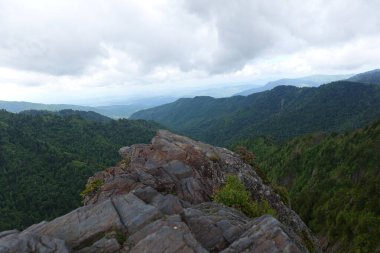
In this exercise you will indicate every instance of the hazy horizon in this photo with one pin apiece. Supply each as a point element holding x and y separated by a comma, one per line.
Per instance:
<point>88,53</point>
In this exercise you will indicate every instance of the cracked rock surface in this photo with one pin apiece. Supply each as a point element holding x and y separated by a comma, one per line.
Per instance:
<point>158,199</point>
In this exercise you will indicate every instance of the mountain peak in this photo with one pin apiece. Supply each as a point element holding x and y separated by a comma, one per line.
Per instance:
<point>159,199</point>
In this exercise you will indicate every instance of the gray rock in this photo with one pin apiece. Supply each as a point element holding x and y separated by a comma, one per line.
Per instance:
<point>135,213</point>
<point>79,228</point>
<point>124,151</point>
<point>104,245</point>
<point>215,226</point>
<point>168,204</point>
<point>146,194</point>
<point>179,169</point>
<point>164,236</point>
<point>83,225</point>
<point>266,234</point>
<point>28,242</point>
<point>8,232</point>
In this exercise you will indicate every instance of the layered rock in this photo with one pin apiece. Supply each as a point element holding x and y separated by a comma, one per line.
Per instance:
<point>158,199</point>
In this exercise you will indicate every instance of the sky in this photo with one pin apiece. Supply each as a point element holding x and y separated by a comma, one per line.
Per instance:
<point>102,51</point>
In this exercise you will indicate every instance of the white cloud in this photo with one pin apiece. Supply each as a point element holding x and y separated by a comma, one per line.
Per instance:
<point>85,49</point>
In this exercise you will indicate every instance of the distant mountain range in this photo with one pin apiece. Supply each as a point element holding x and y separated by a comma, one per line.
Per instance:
<point>370,77</point>
<point>284,112</point>
<point>85,115</point>
<point>126,110</point>
<point>307,81</point>
<point>112,111</point>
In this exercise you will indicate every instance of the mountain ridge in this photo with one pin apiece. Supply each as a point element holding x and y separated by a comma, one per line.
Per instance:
<point>306,81</point>
<point>284,112</point>
<point>369,77</point>
<point>112,111</point>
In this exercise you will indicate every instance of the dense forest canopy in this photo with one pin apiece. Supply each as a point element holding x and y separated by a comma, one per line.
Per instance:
<point>333,182</point>
<point>46,158</point>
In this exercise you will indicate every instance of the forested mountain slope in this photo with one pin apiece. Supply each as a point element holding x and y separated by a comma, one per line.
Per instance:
<point>333,181</point>
<point>46,158</point>
<point>283,112</point>
<point>371,77</point>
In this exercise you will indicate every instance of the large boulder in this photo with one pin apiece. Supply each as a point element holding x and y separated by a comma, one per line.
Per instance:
<point>16,242</point>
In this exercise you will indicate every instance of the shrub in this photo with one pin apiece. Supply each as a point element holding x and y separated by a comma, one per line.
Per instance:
<point>214,158</point>
<point>124,164</point>
<point>282,192</point>
<point>234,194</point>
<point>92,187</point>
<point>246,155</point>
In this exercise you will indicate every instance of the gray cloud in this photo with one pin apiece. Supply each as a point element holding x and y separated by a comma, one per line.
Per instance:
<point>46,39</point>
<point>122,42</point>
<point>248,29</point>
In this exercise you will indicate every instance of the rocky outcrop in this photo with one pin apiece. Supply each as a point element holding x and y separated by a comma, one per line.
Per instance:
<point>15,242</point>
<point>158,199</point>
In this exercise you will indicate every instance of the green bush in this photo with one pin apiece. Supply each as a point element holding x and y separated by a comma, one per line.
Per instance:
<point>124,164</point>
<point>92,187</point>
<point>282,192</point>
<point>214,158</point>
<point>234,194</point>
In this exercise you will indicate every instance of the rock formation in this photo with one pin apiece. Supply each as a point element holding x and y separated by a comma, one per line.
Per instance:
<point>159,199</point>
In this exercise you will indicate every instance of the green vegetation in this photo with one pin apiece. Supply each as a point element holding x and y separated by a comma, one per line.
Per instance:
<point>372,76</point>
<point>46,159</point>
<point>92,187</point>
<point>234,194</point>
<point>283,112</point>
<point>120,237</point>
<point>89,116</point>
<point>125,162</point>
<point>214,158</point>
<point>333,181</point>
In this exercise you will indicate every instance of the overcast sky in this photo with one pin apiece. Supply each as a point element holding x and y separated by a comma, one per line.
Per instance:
<point>83,51</point>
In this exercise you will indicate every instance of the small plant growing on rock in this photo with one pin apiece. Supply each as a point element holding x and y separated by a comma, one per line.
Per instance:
<point>214,158</point>
<point>234,194</point>
<point>125,162</point>
<point>118,235</point>
<point>92,187</point>
<point>282,192</point>
<point>246,155</point>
